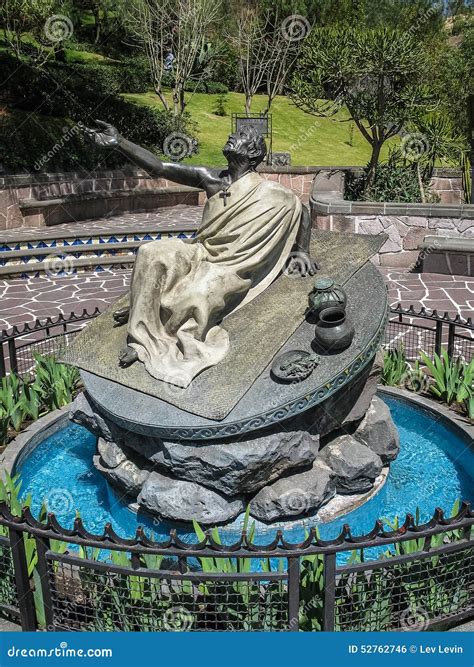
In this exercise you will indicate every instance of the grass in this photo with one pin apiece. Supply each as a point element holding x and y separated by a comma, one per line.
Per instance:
<point>311,140</point>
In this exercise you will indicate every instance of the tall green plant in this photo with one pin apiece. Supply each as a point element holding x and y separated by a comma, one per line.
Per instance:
<point>452,379</point>
<point>395,367</point>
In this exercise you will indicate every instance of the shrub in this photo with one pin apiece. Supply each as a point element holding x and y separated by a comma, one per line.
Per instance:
<point>78,93</point>
<point>53,386</point>
<point>220,106</point>
<point>452,380</point>
<point>394,181</point>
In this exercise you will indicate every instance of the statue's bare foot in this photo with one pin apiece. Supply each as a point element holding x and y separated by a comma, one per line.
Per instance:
<point>121,316</point>
<point>127,357</point>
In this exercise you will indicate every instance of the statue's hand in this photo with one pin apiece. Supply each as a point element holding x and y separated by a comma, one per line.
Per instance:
<point>105,135</point>
<point>301,263</point>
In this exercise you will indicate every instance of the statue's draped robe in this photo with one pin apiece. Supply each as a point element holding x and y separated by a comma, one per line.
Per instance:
<point>181,290</point>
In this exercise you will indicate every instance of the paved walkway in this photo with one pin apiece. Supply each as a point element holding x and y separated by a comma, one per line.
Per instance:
<point>25,300</point>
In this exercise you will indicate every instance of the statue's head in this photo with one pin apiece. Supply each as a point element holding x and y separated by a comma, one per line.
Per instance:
<point>246,144</point>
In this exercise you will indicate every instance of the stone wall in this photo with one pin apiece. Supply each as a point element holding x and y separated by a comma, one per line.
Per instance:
<point>83,195</point>
<point>406,225</point>
<point>405,233</point>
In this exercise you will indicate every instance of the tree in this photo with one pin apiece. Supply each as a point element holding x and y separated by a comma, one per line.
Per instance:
<point>100,10</point>
<point>378,76</point>
<point>266,52</point>
<point>172,33</point>
<point>19,17</point>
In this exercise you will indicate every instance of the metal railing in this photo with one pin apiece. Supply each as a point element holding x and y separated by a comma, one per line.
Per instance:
<point>424,579</point>
<point>405,326</point>
<point>48,336</point>
<point>429,332</point>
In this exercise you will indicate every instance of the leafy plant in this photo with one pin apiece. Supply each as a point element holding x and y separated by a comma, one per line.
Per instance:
<point>452,379</point>
<point>52,387</point>
<point>220,108</point>
<point>395,367</point>
<point>56,382</point>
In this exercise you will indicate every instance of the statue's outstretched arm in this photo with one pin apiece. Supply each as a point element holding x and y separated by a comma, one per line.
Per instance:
<point>108,136</point>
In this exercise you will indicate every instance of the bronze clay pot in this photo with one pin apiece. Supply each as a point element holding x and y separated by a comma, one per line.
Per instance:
<point>326,294</point>
<point>334,330</point>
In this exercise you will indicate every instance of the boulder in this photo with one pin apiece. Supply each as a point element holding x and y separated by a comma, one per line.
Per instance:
<point>295,495</point>
<point>110,453</point>
<point>127,476</point>
<point>179,500</point>
<point>378,432</point>
<point>354,465</point>
<point>238,467</point>
<point>82,412</point>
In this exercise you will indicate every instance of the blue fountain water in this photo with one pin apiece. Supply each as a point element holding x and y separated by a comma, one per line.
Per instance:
<point>435,468</point>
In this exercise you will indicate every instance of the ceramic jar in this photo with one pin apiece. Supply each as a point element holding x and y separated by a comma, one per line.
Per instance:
<point>326,294</point>
<point>334,330</point>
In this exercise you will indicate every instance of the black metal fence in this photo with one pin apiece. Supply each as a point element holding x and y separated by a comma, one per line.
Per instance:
<point>415,330</point>
<point>429,332</point>
<point>48,336</point>
<point>423,579</point>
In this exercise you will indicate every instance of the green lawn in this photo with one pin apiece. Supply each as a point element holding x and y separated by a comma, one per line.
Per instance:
<point>311,140</point>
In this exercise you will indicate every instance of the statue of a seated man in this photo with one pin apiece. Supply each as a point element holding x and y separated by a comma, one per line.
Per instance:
<point>251,230</point>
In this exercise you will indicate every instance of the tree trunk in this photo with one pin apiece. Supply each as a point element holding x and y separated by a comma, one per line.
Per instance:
<point>162,98</point>
<point>97,27</point>
<point>248,103</point>
<point>374,160</point>
<point>420,183</point>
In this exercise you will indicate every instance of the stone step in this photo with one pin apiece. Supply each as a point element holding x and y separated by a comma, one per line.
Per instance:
<point>103,249</point>
<point>28,239</point>
<point>57,266</point>
<point>64,252</point>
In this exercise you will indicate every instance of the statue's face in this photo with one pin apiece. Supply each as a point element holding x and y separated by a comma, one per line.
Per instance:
<point>238,144</point>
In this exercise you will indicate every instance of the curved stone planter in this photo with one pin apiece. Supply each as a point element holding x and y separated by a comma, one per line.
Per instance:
<point>24,443</point>
<point>464,428</point>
